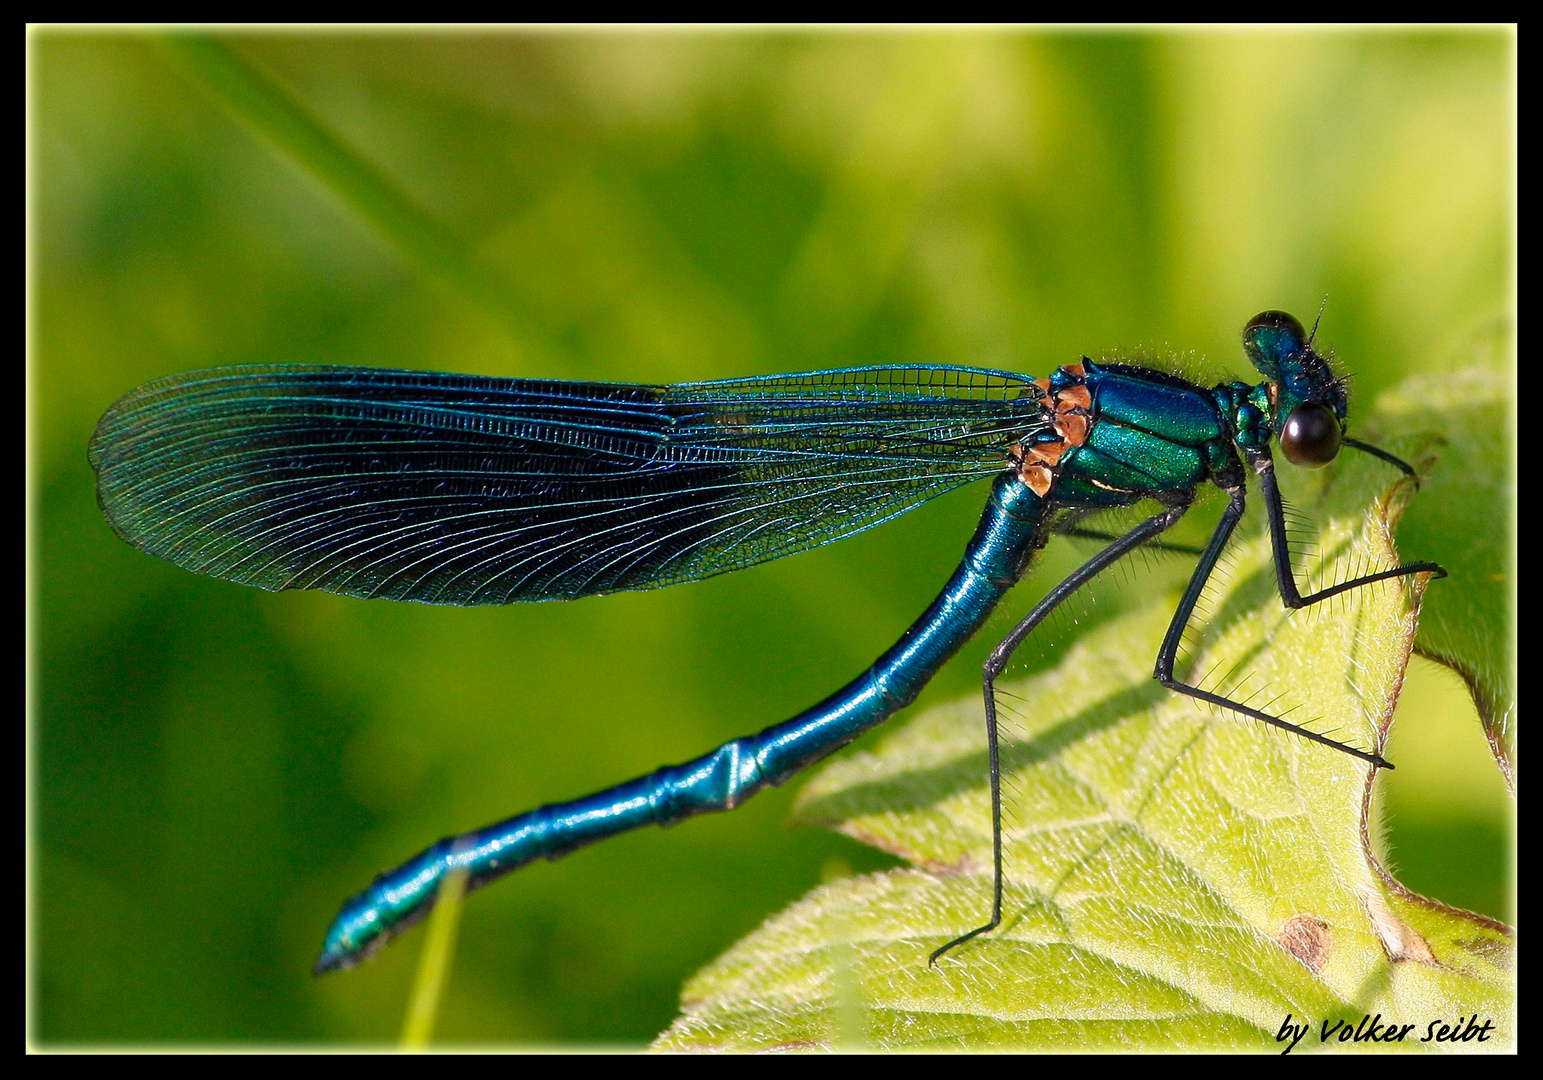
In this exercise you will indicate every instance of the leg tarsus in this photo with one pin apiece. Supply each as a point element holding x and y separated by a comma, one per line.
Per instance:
<point>932,961</point>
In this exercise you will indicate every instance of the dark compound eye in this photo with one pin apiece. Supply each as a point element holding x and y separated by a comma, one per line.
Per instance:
<point>1277,320</point>
<point>1310,436</point>
<point>1273,340</point>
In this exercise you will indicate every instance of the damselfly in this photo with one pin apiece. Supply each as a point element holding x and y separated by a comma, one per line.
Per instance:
<point>455,489</point>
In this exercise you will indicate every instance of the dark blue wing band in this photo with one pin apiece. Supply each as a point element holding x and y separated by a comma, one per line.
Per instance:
<point>458,489</point>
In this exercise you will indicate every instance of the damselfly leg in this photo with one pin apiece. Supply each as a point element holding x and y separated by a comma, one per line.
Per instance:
<point>1146,533</point>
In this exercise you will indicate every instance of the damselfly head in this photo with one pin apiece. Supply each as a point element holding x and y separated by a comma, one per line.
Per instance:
<point>1308,399</point>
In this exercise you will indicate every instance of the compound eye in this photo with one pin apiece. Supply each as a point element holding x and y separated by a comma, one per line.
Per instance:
<point>1273,340</point>
<point>1277,320</point>
<point>1310,436</point>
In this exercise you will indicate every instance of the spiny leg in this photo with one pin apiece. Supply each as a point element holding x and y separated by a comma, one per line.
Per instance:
<point>1170,647</point>
<point>1284,578</point>
<point>1156,545</point>
<point>997,662</point>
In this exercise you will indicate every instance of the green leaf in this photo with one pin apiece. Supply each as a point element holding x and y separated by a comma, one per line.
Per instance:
<point>1178,878</point>
<point>1464,421</point>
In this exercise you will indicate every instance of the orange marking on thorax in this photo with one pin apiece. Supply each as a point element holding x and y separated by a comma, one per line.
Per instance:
<point>1046,453</point>
<point>1068,411</point>
<point>1037,478</point>
<point>1072,405</point>
<point>1074,397</point>
<point>1072,427</point>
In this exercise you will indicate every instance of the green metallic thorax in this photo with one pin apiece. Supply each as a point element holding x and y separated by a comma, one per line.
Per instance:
<point>1157,435</point>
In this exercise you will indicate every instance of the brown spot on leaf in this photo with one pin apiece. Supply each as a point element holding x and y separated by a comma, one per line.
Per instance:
<point>1500,953</point>
<point>1308,939</point>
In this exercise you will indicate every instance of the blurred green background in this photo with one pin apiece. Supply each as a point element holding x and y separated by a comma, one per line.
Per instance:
<point>213,769</point>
